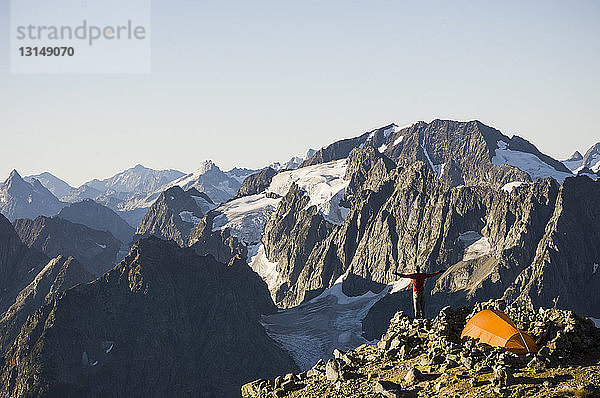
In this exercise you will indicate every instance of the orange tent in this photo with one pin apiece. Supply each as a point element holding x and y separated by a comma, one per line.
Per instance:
<point>495,328</point>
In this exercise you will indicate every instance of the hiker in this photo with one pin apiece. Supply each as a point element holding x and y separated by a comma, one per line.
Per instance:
<point>418,282</point>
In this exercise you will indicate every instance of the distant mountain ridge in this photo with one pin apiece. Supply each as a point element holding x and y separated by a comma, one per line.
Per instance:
<point>138,179</point>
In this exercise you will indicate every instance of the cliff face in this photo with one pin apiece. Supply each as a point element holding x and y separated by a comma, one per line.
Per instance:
<point>488,239</point>
<point>96,250</point>
<point>290,236</point>
<point>188,323</point>
<point>565,268</point>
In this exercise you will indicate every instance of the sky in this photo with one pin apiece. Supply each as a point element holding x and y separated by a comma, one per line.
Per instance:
<point>248,83</point>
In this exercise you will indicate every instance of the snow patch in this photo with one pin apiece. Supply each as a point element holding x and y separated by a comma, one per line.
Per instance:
<point>109,349</point>
<point>475,245</point>
<point>102,246</point>
<point>331,320</point>
<point>188,216</point>
<point>323,183</point>
<point>398,140</point>
<point>596,321</point>
<point>511,185</point>
<point>387,132</point>
<point>246,217</point>
<point>595,268</point>
<point>527,162</point>
<point>258,261</point>
<point>382,148</point>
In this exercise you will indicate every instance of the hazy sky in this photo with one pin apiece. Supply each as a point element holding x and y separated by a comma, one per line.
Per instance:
<point>247,83</point>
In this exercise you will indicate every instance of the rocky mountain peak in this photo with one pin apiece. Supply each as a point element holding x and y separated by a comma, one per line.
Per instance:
<point>13,178</point>
<point>575,156</point>
<point>206,166</point>
<point>174,215</point>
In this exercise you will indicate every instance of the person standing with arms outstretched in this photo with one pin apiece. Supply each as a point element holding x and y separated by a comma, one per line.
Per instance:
<point>418,282</point>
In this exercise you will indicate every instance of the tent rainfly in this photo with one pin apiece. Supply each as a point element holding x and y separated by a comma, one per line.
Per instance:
<point>495,328</point>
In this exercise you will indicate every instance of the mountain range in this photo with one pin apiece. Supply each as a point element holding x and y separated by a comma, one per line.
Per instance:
<point>208,280</point>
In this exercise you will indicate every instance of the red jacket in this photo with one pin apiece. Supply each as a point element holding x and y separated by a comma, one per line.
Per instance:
<point>418,279</point>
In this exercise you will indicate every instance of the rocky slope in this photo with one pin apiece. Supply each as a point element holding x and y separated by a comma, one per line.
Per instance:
<point>22,199</point>
<point>18,264</point>
<point>96,216</point>
<point>490,240</point>
<point>174,215</point>
<point>59,274</point>
<point>188,324</point>
<point>426,358</point>
<point>96,250</point>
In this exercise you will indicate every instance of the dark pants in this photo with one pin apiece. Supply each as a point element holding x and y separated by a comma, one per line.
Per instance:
<point>419,304</point>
